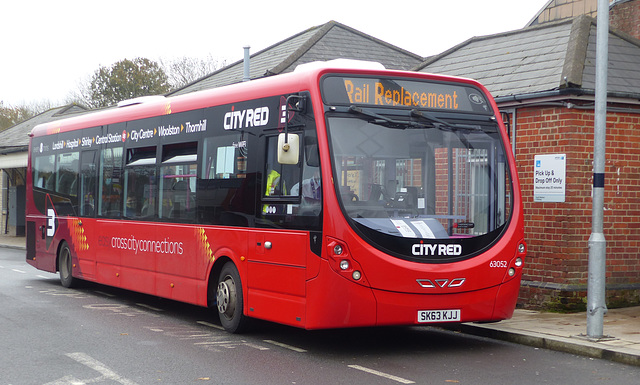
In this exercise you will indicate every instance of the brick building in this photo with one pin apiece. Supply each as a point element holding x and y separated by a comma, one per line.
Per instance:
<point>543,78</point>
<point>625,16</point>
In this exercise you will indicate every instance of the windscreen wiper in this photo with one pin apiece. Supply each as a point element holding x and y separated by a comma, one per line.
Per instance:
<point>432,121</point>
<point>431,118</point>
<point>383,120</point>
<point>439,123</point>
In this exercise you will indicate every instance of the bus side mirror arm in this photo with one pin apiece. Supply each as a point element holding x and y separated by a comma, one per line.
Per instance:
<point>289,144</point>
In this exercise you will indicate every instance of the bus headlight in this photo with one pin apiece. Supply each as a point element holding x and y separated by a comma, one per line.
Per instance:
<point>342,262</point>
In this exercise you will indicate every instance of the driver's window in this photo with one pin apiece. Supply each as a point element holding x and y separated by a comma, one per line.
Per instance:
<point>310,188</point>
<point>292,194</point>
<point>279,178</point>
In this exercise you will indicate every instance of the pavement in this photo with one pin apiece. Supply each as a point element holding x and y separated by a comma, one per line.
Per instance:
<point>567,333</point>
<point>620,341</point>
<point>12,242</point>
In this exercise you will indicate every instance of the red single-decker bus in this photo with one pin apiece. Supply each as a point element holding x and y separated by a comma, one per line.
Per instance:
<point>328,197</point>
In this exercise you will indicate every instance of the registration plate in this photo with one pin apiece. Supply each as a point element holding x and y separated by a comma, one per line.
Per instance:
<point>426,316</point>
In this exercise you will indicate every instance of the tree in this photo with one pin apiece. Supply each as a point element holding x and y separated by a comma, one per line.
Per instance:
<point>10,116</point>
<point>185,70</point>
<point>126,79</point>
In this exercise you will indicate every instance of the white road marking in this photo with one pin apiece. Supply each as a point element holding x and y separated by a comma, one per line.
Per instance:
<point>255,346</point>
<point>121,309</point>
<point>215,343</point>
<point>103,293</point>
<point>64,292</point>
<point>19,271</point>
<point>149,307</point>
<point>381,374</point>
<point>99,367</point>
<point>205,323</point>
<point>299,350</point>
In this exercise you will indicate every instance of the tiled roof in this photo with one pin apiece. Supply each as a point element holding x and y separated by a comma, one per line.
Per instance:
<point>325,42</point>
<point>508,63</point>
<point>17,137</point>
<point>542,58</point>
<point>624,63</point>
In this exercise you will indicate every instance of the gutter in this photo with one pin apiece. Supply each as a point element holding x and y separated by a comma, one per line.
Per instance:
<point>565,94</point>
<point>543,95</point>
<point>11,150</point>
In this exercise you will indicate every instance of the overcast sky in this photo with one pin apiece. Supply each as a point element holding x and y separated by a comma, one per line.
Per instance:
<point>48,47</point>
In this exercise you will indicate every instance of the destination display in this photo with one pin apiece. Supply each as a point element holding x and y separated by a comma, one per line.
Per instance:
<point>395,92</point>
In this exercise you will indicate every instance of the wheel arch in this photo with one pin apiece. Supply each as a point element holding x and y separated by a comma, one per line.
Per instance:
<point>223,255</point>
<point>58,249</point>
<point>212,283</point>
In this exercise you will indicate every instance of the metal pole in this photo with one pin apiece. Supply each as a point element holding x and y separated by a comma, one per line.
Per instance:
<point>596,287</point>
<point>246,68</point>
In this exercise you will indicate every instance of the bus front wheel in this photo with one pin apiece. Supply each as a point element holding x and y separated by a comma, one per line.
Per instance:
<point>65,266</point>
<point>229,299</point>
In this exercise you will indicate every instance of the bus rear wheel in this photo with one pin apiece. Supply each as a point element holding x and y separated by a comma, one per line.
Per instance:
<point>65,266</point>
<point>229,300</point>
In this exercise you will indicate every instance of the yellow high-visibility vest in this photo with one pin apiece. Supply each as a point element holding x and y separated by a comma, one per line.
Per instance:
<point>272,182</point>
<point>273,178</point>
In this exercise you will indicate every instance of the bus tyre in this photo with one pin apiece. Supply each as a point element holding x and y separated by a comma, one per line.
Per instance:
<point>65,266</point>
<point>229,299</point>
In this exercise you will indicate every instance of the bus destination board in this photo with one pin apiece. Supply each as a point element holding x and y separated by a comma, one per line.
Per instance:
<point>395,92</point>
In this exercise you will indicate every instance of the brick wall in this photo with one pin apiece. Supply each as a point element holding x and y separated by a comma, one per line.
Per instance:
<point>626,17</point>
<point>558,233</point>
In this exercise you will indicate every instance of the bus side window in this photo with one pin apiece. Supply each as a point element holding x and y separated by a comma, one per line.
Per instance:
<point>88,162</point>
<point>178,191</point>
<point>310,189</point>
<point>67,172</point>
<point>110,188</point>
<point>66,186</point>
<point>279,178</point>
<point>140,183</point>
<point>226,191</point>
<point>44,172</point>
<point>292,193</point>
<point>178,182</point>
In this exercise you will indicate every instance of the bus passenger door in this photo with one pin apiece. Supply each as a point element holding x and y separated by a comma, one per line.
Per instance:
<point>276,275</point>
<point>276,269</point>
